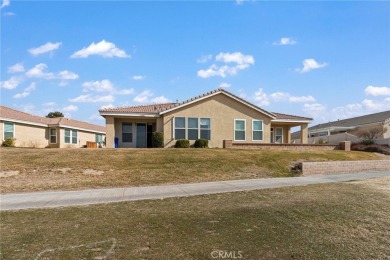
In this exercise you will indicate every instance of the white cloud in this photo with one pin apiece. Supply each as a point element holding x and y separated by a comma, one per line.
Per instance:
<point>126,91</point>
<point>143,97</point>
<point>160,100</point>
<point>204,58</point>
<point>224,85</point>
<point>65,74</point>
<point>285,41</point>
<point>5,3</point>
<point>26,91</point>
<point>314,110</point>
<point>240,62</point>
<point>9,14</point>
<point>39,71</point>
<point>138,77</point>
<point>377,91</point>
<point>92,99</point>
<point>301,99</point>
<point>49,104</point>
<point>107,106</point>
<point>280,96</point>
<point>310,64</point>
<point>103,48</point>
<point>18,67</point>
<point>12,83</point>
<point>70,108</point>
<point>261,98</point>
<point>98,86</point>
<point>47,47</point>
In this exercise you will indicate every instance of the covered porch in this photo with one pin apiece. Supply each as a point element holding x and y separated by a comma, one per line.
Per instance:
<point>281,132</point>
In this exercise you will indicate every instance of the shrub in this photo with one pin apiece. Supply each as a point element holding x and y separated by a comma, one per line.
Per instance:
<point>367,141</point>
<point>182,143</point>
<point>201,143</point>
<point>383,149</point>
<point>9,142</point>
<point>322,141</point>
<point>158,140</point>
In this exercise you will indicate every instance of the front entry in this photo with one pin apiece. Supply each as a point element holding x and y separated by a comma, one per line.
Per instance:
<point>141,135</point>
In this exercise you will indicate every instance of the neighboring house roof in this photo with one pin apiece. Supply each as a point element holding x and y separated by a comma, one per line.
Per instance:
<point>10,114</point>
<point>158,109</point>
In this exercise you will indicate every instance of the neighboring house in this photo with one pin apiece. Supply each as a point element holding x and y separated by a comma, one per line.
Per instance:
<point>36,131</point>
<point>216,116</point>
<point>347,128</point>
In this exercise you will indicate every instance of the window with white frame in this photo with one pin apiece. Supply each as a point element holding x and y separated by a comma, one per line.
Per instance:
<point>239,129</point>
<point>53,135</point>
<point>70,136</point>
<point>127,132</point>
<point>99,138</point>
<point>257,130</point>
<point>192,130</point>
<point>205,128</point>
<point>180,128</point>
<point>9,130</point>
<point>279,135</point>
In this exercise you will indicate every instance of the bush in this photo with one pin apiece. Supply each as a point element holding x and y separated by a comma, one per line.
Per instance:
<point>322,141</point>
<point>182,143</point>
<point>367,141</point>
<point>9,142</point>
<point>157,140</point>
<point>375,148</point>
<point>201,143</point>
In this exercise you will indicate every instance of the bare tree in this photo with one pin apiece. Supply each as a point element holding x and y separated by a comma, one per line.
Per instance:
<point>370,134</point>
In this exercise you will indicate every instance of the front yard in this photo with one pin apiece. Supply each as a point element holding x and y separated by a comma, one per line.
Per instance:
<point>25,170</point>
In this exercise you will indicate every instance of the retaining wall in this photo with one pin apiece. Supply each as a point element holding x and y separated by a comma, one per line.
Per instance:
<point>310,168</point>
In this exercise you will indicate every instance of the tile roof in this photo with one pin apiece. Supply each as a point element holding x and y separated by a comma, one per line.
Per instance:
<point>287,117</point>
<point>148,109</point>
<point>6,112</point>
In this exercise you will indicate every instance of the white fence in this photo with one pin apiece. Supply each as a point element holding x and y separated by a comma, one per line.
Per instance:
<point>332,139</point>
<point>383,141</point>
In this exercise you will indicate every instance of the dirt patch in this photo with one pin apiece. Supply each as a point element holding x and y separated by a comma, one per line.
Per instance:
<point>5,174</point>
<point>64,170</point>
<point>92,172</point>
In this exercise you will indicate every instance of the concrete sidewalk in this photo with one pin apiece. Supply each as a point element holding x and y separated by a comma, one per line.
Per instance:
<point>87,197</point>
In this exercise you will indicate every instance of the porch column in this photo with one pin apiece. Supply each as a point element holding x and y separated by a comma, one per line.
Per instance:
<point>304,133</point>
<point>110,131</point>
<point>289,135</point>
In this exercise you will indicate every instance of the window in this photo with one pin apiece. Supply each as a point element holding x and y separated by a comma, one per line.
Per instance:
<point>257,130</point>
<point>74,136</point>
<point>67,136</point>
<point>70,135</point>
<point>192,131</point>
<point>239,129</point>
<point>205,128</point>
<point>180,127</point>
<point>9,130</point>
<point>127,132</point>
<point>279,135</point>
<point>99,138</point>
<point>53,135</point>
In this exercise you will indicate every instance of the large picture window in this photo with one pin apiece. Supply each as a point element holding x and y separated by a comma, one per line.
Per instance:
<point>192,131</point>
<point>180,128</point>
<point>239,129</point>
<point>205,128</point>
<point>70,136</point>
<point>9,130</point>
<point>257,130</point>
<point>127,132</point>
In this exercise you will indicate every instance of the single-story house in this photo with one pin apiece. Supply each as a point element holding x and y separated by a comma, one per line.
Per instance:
<point>35,131</point>
<point>216,116</point>
<point>349,128</point>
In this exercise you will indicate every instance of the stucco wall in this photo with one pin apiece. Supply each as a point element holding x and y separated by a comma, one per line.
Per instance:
<point>29,136</point>
<point>118,129</point>
<point>222,111</point>
<point>82,139</point>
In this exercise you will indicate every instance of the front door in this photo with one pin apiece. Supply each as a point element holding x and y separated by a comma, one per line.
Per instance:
<point>141,135</point>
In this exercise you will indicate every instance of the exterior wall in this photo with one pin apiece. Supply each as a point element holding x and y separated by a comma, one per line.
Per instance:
<point>222,111</point>
<point>118,129</point>
<point>82,138</point>
<point>29,135</point>
<point>57,144</point>
<point>309,168</point>
<point>286,132</point>
<point>110,131</point>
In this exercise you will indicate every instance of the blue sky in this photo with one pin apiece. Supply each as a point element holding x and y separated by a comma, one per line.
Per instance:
<point>328,60</point>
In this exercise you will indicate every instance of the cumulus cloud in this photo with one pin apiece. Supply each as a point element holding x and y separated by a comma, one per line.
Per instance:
<point>93,99</point>
<point>285,41</point>
<point>12,83</point>
<point>103,48</point>
<point>126,91</point>
<point>261,98</point>
<point>310,64</point>
<point>70,108</point>
<point>224,85</point>
<point>47,47</point>
<point>65,74</point>
<point>40,71</point>
<point>160,99</point>
<point>377,91</point>
<point>5,3</point>
<point>26,91</point>
<point>204,58</point>
<point>264,99</point>
<point>143,97</point>
<point>107,106</point>
<point>231,64</point>
<point>98,86</point>
<point>138,77</point>
<point>18,67</point>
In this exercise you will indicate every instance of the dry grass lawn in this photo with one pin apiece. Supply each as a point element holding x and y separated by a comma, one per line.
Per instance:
<point>24,170</point>
<point>328,221</point>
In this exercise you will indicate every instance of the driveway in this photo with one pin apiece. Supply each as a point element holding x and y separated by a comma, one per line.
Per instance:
<point>19,201</point>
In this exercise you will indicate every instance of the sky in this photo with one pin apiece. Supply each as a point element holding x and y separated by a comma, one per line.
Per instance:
<point>327,60</point>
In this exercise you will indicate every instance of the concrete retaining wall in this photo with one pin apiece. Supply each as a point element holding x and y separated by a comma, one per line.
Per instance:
<point>290,147</point>
<point>310,168</point>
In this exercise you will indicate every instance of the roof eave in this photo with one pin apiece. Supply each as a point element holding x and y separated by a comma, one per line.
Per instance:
<point>134,114</point>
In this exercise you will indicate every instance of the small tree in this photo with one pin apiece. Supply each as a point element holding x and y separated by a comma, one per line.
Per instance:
<point>55,114</point>
<point>370,134</point>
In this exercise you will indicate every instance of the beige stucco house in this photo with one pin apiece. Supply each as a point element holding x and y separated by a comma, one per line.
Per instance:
<point>41,132</point>
<point>217,116</point>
